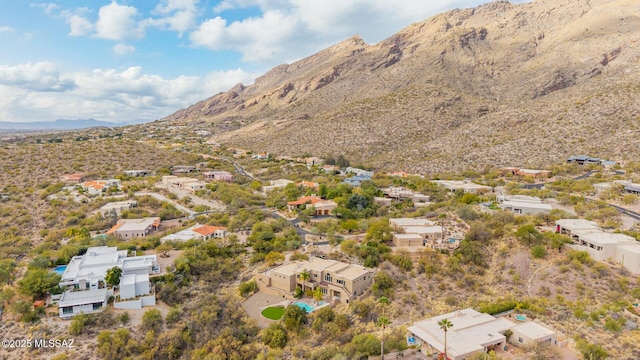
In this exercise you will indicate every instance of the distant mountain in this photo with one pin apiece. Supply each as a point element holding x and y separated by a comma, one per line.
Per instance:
<point>502,84</point>
<point>63,124</point>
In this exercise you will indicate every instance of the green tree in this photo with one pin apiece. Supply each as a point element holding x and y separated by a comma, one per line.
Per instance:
<point>38,282</point>
<point>113,276</point>
<point>294,317</point>
<point>349,225</point>
<point>383,285</point>
<point>152,320</point>
<point>274,336</point>
<point>380,230</point>
<point>539,252</point>
<point>528,234</point>
<point>304,276</point>
<point>445,325</point>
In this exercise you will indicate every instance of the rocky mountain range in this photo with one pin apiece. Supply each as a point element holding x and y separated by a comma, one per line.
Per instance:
<point>501,84</point>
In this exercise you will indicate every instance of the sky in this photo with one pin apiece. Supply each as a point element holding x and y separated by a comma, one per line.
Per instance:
<point>142,60</point>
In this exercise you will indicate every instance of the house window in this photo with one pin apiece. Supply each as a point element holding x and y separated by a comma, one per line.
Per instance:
<point>324,291</point>
<point>341,282</point>
<point>97,306</point>
<point>315,275</point>
<point>520,340</point>
<point>328,278</point>
<point>67,310</point>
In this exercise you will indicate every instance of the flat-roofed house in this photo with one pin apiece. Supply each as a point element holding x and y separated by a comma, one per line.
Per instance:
<point>117,207</point>
<point>622,249</point>
<point>126,229</point>
<point>218,176</point>
<point>632,188</point>
<point>73,303</point>
<point>408,240</point>
<point>276,184</point>
<point>137,173</point>
<point>525,207</point>
<point>72,178</point>
<point>399,224</point>
<point>84,278</point>
<point>465,186</point>
<point>569,226</point>
<point>428,233</point>
<point>337,280</point>
<point>473,333</point>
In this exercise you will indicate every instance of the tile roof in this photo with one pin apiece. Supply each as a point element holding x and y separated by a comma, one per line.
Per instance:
<point>207,229</point>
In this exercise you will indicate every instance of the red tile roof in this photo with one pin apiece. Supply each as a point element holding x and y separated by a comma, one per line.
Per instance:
<point>304,200</point>
<point>206,230</point>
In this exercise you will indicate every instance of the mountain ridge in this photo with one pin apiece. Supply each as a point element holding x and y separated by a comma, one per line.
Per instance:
<point>497,84</point>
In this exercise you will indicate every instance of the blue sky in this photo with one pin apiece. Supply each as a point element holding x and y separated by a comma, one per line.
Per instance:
<point>142,59</point>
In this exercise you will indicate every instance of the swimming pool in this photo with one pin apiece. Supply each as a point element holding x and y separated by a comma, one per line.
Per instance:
<point>60,269</point>
<point>308,308</point>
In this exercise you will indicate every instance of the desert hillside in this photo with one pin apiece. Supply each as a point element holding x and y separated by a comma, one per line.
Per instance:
<point>504,84</point>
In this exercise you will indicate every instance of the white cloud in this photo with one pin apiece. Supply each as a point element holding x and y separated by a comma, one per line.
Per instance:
<point>40,91</point>
<point>288,30</point>
<point>79,26</point>
<point>175,15</point>
<point>117,22</point>
<point>124,49</point>
<point>6,29</point>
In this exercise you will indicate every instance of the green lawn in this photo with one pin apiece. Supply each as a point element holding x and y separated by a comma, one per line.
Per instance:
<point>273,312</point>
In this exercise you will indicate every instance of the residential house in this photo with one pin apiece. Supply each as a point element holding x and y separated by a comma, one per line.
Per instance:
<point>357,171</point>
<point>73,303</point>
<point>218,176</point>
<point>583,160</point>
<point>185,183</point>
<point>401,193</point>
<point>276,184</point>
<point>72,178</point>
<point>98,187</point>
<point>138,287</point>
<point>523,205</point>
<point>337,280</point>
<point>117,207</point>
<point>526,173</point>
<point>126,229</point>
<point>622,249</point>
<point>473,333</point>
<point>321,206</point>
<point>408,240</point>
<point>357,180</point>
<point>398,224</point>
<point>201,232</point>
<point>466,186</point>
<point>183,169</point>
<point>137,173</point>
<point>85,274</point>
<point>632,188</point>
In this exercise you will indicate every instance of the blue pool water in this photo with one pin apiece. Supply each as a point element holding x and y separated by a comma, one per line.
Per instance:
<point>521,317</point>
<point>308,308</point>
<point>411,340</point>
<point>60,269</point>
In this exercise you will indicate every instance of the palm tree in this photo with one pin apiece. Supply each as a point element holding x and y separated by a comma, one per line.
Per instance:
<point>445,324</point>
<point>383,322</point>
<point>304,275</point>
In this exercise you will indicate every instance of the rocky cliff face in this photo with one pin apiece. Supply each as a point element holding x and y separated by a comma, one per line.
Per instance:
<point>500,84</point>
